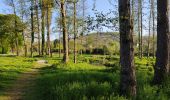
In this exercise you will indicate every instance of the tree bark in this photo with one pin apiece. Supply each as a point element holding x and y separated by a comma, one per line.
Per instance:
<point>161,68</point>
<point>42,27</point>
<point>148,48</point>
<point>38,26</point>
<point>32,28</point>
<point>127,78</point>
<point>153,27</point>
<point>139,34</point>
<point>48,33</point>
<point>65,36</point>
<point>75,49</point>
<point>141,38</point>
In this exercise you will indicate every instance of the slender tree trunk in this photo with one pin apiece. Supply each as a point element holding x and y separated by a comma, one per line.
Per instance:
<point>65,36</point>
<point>127,78</point>
<point>141,38</point>
<point>38,26</point>
<point>139,34</point>
<point>42,27</point>
<point>16,34</point>
<point>162,55</point>
<point>48,34</point>
<point>59,45</point>
<point>148,51</point>
<point>153,26</point>
<point>32,28</point>
<point>75,49</point>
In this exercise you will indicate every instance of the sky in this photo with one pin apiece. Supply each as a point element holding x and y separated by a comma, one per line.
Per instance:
<point>100,5</point>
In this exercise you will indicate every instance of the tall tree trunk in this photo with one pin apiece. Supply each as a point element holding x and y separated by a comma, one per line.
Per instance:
<point>42,27</point>
<point>148,48</point>
<point>153,26</point>
<point>141,38</point>
<point>127,78</point>
<point>162,55</point>
<point>15,24</point>
<point>65,36</point>
<point>48,33</point>
<point>32,27</point>
<point>139,32</point>
<point>38,26</point>
<point>75,49</point>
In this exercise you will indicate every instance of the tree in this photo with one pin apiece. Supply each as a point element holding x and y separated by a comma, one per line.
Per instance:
<point>13,5</point>
<point>8,31</point>
<point>22,9</point>
<point>161,68</point>
<point>153,26</point>
<point>65,36</point>
<point>49,5</point>
<point>128,78</point>
<point>38,25</point>
<point>150,15</point>
<point>32,26</point>
<point>42,26</point>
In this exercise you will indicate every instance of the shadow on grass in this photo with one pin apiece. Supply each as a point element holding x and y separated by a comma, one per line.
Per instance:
<point>63,84</point>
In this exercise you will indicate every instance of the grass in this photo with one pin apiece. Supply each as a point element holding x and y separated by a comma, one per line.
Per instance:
<point>75,81</point>
<point>83,81</point>
<point>11,68</point>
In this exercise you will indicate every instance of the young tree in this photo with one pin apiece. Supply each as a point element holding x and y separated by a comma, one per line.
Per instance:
<point>161,68</point>
<point>128,78</point>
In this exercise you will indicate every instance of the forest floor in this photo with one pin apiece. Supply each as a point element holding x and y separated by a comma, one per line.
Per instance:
<point>24,83</point>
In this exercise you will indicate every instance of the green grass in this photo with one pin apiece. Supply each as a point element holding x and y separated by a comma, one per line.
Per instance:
<point>11,68</point>
<point>83,81</point>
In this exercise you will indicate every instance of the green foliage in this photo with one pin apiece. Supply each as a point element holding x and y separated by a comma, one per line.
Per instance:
<point>9,32</point>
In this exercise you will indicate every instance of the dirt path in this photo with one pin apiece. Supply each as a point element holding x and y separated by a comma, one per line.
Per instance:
<point>25,81</point>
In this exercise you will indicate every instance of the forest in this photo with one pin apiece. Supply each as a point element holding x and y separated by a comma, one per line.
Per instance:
<point>84,50</point>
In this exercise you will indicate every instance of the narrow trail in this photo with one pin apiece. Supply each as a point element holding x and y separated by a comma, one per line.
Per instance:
<point>23,83</point>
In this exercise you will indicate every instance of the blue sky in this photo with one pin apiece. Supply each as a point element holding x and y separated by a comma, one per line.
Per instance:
<point>100,5</point>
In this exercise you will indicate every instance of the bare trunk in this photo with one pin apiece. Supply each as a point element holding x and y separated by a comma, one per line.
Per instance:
<point>127,78</point>
<point>42,28</point>
<point>139,34</point>
<point>32,28</point>
<point>48,34</point>
<point>38,26</point>
<point>153,28</point>
<point>148,49</point>
<point>162,58</point>
<point>141,38</point>
<point>75,49</point>
<point>65,36</point>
